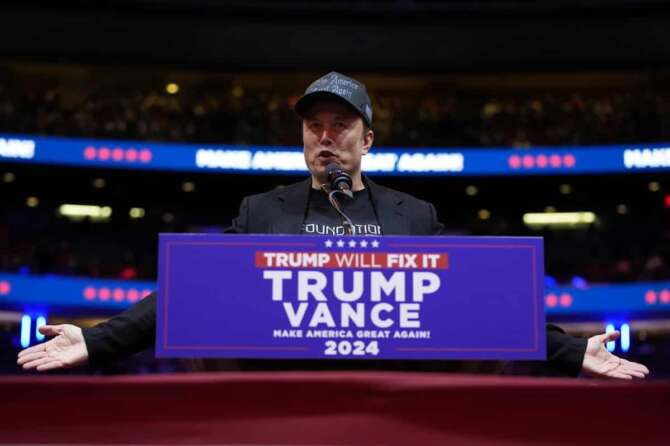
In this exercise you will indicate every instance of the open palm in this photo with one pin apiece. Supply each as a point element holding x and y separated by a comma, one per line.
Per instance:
<point>599,362</point>
<point>66,349</point>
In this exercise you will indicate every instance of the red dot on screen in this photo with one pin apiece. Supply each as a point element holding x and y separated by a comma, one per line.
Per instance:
<point>514,161</point>
<point>569,160</point>
<point>542,161</point>
<point>145,293</point>
<point>145,155</point>
<point>104,153</point>
<point>5,287</point>
<point>117,154</point>
<point>119,294</point>
<point>89,293</point>
<point>104,293</point>
<point>664,296</point>
<point>650,297</point>
<point>528,161</point>
<point>132,295</point>
<point>89,152</point>
<point>555,160</point>
<point>565,300</point>
<point>551,300</point>
<point>131,155</point>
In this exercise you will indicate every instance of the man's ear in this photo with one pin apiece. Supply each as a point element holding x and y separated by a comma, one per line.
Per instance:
<point>368,139</point>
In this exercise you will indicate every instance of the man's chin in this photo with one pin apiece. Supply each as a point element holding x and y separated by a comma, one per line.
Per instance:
<point>319,174</point>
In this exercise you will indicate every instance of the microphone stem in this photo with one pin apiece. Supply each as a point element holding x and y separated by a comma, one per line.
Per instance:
<point>346,221</point>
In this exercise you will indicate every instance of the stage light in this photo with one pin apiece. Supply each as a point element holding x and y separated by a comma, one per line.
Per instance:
<point>99,183</point>
<point>8,177</point>
<point>32,202</point>
<point>188,186</point>
<point>136,212</point>
<point>172,88</point>
<point>559,219</point>
<point>78,212</point>
<point>484,214</point>
<point>565,189</point>
<point>625,337</point>
<point>654,186</point>
<point>26,322</point>
<point>667,201</point>
<point>610,345</point>
<point>39,322</point>
<point>622,209</point>
<point>471,191</point>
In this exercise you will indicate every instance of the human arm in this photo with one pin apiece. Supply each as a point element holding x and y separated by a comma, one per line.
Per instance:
<point>124,334</point>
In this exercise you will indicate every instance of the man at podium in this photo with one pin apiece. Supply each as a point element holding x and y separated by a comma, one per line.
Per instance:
<point>336,114</point>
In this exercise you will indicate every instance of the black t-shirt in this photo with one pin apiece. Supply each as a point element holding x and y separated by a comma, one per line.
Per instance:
<point>322,219</point>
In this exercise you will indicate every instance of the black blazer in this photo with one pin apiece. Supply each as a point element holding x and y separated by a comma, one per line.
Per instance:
<point>283,211</point>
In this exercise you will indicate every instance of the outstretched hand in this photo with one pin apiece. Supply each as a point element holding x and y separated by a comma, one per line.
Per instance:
<point>600,363</point>
<point>67,349</point>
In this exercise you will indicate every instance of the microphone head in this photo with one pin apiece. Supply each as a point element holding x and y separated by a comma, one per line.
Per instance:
<point>339,178</point>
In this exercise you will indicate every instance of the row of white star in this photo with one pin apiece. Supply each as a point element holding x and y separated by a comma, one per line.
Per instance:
<point>351,243</point>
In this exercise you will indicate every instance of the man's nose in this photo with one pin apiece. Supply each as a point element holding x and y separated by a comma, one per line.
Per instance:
<point>326,138</point>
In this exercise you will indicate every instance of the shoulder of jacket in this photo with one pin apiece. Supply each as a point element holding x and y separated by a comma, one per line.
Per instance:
<point>273,193</point>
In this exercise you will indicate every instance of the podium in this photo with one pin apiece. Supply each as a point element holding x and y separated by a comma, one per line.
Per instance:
<point>350,297</point>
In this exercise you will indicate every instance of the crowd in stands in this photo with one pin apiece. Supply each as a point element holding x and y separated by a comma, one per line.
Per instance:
<point>231,112</point>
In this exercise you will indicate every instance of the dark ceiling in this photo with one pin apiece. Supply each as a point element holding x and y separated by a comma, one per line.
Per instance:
<point>363,36</point>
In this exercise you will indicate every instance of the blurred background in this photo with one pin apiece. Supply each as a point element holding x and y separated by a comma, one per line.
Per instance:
<point>123,119</point>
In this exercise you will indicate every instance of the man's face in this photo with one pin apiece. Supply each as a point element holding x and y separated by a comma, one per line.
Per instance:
<point>332,132</point>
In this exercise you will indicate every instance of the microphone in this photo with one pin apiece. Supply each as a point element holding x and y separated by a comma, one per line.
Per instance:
<point>339,179</point>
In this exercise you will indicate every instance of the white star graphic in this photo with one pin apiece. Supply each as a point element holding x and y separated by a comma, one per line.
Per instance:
<point>363,243</point>
<point>328,243</point>
<point>340,243</point>
<point>352,243</point>
<point>375,244</point>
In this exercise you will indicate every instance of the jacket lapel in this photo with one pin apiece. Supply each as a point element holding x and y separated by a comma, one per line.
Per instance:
<point>387,205</point>
<point>293,202</point>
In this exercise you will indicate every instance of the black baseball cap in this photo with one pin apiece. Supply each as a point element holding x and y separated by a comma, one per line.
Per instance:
<point>338,85</point>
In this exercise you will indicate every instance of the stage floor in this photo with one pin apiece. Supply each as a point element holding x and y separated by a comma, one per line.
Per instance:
<point>331,408</point>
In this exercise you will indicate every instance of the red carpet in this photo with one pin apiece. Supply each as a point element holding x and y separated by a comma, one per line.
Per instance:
<point>346,408</point>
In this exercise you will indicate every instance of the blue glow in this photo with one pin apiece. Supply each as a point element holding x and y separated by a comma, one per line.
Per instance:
<point>550,282</point>
<point>611,344</point>
<point>625,337</point>
<point>41,320</point>
<point>26,322</point>
<point>579,283</point>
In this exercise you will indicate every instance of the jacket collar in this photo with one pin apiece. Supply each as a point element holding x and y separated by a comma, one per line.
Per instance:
<point>385,202</point>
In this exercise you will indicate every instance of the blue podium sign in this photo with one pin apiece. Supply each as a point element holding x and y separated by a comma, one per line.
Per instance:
<point>388,297</point>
